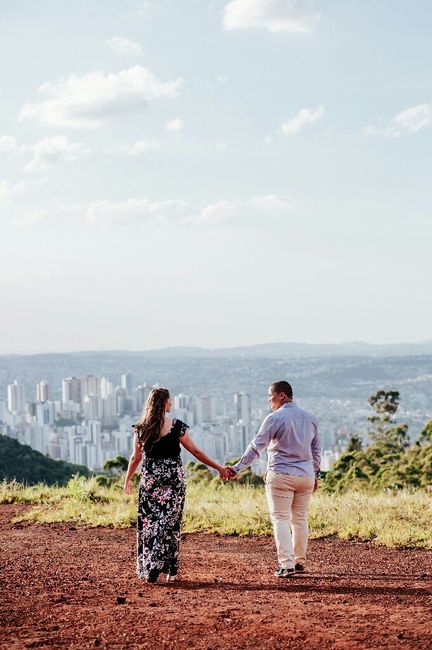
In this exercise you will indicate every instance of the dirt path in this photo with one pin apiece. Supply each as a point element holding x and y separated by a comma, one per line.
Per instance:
<point>64,587</point>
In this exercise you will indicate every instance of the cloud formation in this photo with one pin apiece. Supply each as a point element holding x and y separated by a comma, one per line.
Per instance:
<point>136,211</point>
<point>86,101</point>
<point>8,144</point>
<point>140,147</point>
<point>261,206</point>
<point>174,125</point>
<point>125,47</point>
<point>304,117</point>
<point>53,213</point>
<point>292,16</point>
<point>162,212</point>
<point>7,189</point>
<point>50,151</point>
<point>407,122</point>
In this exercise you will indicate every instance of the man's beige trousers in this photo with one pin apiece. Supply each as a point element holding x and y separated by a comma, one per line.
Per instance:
<point>288,498</point>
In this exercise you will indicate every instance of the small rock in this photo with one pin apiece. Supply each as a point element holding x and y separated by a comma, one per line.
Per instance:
<point>400,635</point>
<point>97,642</point>
<point>121,600</point>
<point>152,604</point>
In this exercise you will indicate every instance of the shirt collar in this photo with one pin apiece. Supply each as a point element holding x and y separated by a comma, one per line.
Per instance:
<point>287,405</point>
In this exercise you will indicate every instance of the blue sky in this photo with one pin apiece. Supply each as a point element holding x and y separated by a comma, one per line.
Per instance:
<point>214,173</point>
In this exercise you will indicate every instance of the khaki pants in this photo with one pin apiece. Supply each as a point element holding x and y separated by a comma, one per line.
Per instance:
<point>288,499</point>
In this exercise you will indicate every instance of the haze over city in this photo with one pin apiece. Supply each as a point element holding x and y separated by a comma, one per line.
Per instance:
<point>214,174</point>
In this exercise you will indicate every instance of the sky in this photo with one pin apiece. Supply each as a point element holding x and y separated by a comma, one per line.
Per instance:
<point>214,173</point>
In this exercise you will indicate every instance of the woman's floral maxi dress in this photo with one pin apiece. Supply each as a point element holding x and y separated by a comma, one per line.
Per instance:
<point>161,498</point>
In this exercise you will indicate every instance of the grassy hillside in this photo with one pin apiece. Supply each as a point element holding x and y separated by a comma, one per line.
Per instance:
<point>397,519</point>
<point>23,464</point>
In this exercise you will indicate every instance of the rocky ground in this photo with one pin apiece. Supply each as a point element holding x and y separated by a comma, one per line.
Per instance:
<point>63,586</point>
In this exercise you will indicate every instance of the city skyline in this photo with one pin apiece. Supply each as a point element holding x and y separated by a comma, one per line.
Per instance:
<point>214,174</point>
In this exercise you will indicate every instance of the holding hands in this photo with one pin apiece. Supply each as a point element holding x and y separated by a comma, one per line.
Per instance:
<point>227,473</point>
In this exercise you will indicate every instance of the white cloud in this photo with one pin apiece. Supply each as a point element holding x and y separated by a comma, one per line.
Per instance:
<point>294,16</point>
<point>260,206</point>
<point>221,146</point>
<point>53,213</point>
<point>87,100</point>
<point>7,189</point>
<point>125,47</point>
<point>136,211</point>
<point>162,212</point>
<point>7,144</point>
<point>408,122</point>
<point>141,147</point>
<point>174,125</point>
<point>304,117</point>
<point>50,151</point>
<point>146,9</point>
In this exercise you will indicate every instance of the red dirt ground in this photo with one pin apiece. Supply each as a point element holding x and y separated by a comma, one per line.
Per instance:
<point>61,587</point>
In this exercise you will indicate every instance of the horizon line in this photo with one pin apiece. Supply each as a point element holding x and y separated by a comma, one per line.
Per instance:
<point>214,349</point>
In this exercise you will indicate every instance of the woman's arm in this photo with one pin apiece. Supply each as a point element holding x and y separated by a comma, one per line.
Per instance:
<point>192,448</point>
<point>134,462</point>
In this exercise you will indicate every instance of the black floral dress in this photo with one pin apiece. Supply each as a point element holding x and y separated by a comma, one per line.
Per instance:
<point>161,499</point>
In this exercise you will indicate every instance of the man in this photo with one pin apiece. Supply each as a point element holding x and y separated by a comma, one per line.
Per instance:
<point>291,436</point>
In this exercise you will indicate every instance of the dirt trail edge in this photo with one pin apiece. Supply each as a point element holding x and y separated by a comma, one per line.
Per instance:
<point>73,587</point>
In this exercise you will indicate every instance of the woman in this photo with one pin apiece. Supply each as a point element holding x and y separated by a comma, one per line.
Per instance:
<point>162,486</point>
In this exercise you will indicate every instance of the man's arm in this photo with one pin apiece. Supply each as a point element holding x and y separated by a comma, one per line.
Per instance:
<point>316,453</point>
<point>257,445</point>
<point>316,449</point>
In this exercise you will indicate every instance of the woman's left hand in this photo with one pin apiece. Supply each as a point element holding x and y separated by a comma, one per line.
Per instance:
<point>127,487</point>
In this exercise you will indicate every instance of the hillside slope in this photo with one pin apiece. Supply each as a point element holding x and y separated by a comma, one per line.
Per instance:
<point>24,464</point>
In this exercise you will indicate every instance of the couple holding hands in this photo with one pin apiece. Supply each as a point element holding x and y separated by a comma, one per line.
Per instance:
<point>290,436</point>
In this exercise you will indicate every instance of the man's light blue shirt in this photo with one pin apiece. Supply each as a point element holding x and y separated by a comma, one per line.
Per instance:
<point>291,438</point>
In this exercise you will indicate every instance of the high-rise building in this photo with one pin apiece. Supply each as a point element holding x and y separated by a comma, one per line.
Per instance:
<point>45,413</point>
<point>181,401</point>
<point>205,409</point>
<point>90,387</point>
<point>16,397</point>
<point>71,390</point>
<point>43,391</point>
<point>106,388</point>
<point>242,405</point>
<point>92,407</point>
<point>126,382</point>
<point>141,393</point>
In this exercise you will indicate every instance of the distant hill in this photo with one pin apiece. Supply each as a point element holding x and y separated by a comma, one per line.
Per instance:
<point>293,350</point>
<point>25,465</point>
<point>260,350</point>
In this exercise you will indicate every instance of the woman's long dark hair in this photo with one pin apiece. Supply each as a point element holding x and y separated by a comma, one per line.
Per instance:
<point>151,421</point>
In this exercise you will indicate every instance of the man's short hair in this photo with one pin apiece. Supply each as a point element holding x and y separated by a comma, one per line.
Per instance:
<point>282,387</point>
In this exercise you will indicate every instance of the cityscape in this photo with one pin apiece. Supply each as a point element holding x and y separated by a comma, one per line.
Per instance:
<point>92,422</point>
<point>86,417</point>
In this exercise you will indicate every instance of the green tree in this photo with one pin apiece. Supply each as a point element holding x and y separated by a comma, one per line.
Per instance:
<point>116,466</point>
<point>355,443</point>
<point>198,472</point>
<point>425,436</point>
<point>385,404</point>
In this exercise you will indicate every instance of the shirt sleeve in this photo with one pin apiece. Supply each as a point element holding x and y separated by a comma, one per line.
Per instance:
<point>316,448</point>
<point>258,444</point>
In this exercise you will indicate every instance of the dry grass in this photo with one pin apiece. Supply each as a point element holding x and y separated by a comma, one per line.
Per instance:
<point>400,519</point>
